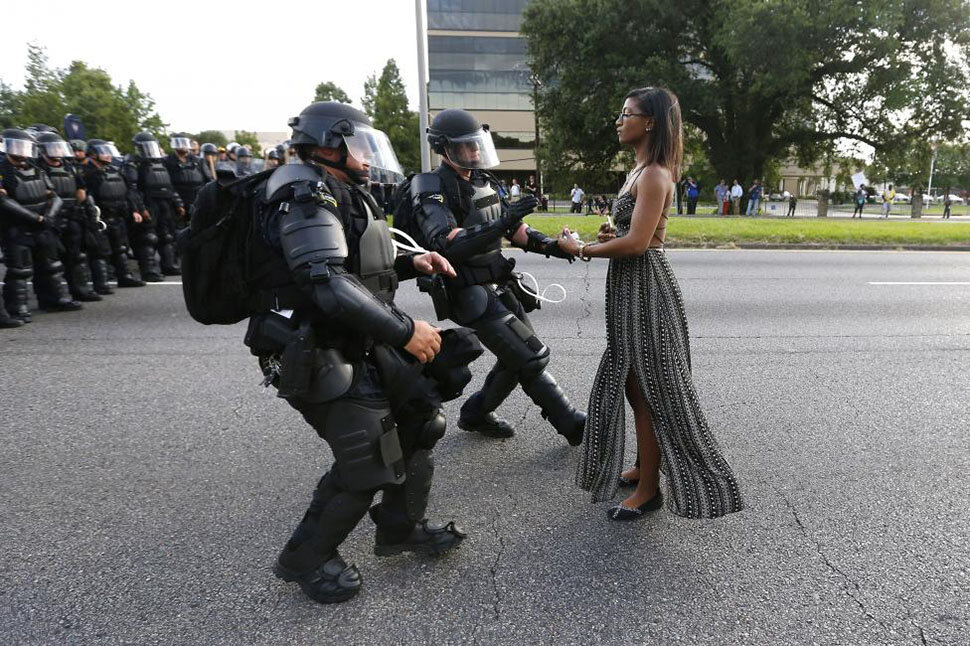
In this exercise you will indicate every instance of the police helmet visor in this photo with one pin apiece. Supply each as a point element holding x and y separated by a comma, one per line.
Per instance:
<point>54,149</point>
<point>20,147</point>
<point>180,143</point>
<point>150,150</point>
<point>471,151</point>
<point>372,147</point>
<point>107,150</point>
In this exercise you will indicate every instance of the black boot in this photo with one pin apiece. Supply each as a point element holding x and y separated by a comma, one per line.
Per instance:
<point>99,276</point>
<point>125,278</point>
<point>170,265</point>
<point>52,291</point>
<point>332,582</point>
<point>477,413</point>
<point>546,393</point>
<point>7,321</point>
<point>148,265</point>
<point>80,281</point>
<point>425,537</point>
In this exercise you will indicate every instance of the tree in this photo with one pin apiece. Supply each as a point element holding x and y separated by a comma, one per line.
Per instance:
<point>761,80</point>
<point>107,111</point>
<point>386,103</point>
<point>246,138</point>
<point>328,91</point>
<point>211,137</point>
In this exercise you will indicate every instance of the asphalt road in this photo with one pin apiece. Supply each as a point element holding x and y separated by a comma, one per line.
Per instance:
<point>147,481</point>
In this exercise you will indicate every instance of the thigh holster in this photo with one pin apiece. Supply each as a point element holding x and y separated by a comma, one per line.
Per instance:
<point>365,444</point>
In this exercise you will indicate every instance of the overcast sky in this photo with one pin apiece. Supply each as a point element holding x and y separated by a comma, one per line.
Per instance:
<point>223,66</point>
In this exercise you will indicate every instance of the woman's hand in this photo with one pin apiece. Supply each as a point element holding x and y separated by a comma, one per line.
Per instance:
<point>568,243</point>
<point>606,233</point>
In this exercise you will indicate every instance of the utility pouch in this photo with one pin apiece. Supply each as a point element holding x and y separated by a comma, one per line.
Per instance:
<point>435,286</point>
<point>529,301</point>
<point>297,363</point>
<point>268,333</point>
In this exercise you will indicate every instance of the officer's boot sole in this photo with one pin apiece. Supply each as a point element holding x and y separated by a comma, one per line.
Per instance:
<point>337,595</point>
<point>486,428</point>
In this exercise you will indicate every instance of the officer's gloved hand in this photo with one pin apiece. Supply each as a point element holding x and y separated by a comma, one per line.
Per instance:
<point>520,209</point>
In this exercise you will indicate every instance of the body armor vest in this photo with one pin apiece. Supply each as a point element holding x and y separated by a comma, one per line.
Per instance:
<point>187,176</point>
<point>112,193</point>
<point>65,183</point>
<point>31,189</point>
<point>374,264</point>
<point>153,179</point>
<point>489,266</point>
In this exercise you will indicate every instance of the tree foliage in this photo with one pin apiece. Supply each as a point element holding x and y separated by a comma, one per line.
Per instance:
<point>329,91</point>
<point>107,111</point>
<point>761,80</point>
<point>247,138</point>
<point>211,137</point>
<point>386,103</point>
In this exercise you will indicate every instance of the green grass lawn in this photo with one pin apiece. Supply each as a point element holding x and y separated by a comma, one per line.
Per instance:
<point>725,230</point>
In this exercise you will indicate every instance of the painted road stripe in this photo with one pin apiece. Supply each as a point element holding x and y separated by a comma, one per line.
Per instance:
<point>919,283</point>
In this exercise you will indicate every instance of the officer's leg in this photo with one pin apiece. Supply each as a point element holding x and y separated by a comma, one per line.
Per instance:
<point>118,238</point>
<point>7,321</point>
<point>99,250</point>
<point>49,284</point>
<point>144,242</point>
<point>20,269</point>
<point>478,411</point>
<point>400,518</point>
<point>165,230</point>
<point>77,271</point>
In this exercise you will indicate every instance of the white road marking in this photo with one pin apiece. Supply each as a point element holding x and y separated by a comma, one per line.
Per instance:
<point>921,283</point>
<point>167,282</point>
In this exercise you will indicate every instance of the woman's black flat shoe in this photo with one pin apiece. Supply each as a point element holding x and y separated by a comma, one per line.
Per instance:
<point>628,482</point>
<point>619,512</point>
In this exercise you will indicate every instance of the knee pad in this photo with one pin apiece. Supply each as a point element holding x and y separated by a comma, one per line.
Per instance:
<point>151,239</point>
<point>471,303</point>
<point>535,366</point>
<point>365,443</point>
<point>431,431</point>
<point>19,273</point>
<point>513,343</point>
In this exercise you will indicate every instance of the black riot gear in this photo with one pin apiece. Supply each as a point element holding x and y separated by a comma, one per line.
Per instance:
<point>19,143</point>
<point>456,135</point>
<point>52,146</point>
<point>187,174</point>
<point>117,202</point>
<point>330,339</point>
<point>147,174</point>
<point>483,295</point>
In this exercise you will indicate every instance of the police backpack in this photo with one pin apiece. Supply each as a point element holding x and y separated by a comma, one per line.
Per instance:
<point>216,251</point>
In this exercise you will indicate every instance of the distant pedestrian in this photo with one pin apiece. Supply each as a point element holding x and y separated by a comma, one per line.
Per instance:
<point>860,200</point>
<point>887,200</point>
<point>722,195</point>
<point>589,204</point>
<point>503,190</point>
<point>531,188</point>
<point>736,193</point>
<point>754,197</point>
<point>792,203</point>
<point>947,202</point>
<point>576,197</point>
<point>515,192</point>
<point>693,192</point>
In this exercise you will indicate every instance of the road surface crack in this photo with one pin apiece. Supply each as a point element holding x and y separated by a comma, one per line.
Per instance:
<point>584,299</point>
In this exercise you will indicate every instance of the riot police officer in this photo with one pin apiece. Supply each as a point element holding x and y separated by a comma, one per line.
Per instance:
<point>244,161</point>
<point>273,158</point>
<point>119,204</point>
<point>185,169</point>
<point>147,174</point>
<point>210,157</point>
<point>362,372</point>
<point>458,213</point>
<point>77,214</point>
<point>29,209</point>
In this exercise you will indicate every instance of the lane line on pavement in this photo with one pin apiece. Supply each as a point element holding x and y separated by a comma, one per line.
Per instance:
<point>167,282</point>
<point>920,283</point>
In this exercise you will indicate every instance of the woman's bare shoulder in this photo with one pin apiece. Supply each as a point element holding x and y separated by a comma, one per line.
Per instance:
<point>654,178</point>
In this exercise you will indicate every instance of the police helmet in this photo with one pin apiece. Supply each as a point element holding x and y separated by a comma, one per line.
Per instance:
<point>209,149</point>
<point>19,143</point>
<point>53,146</point>
<point>146,146</point>
<point>78,145</point>
<point>99,148</point>
<point>180,141</point>
<point>456,135</point>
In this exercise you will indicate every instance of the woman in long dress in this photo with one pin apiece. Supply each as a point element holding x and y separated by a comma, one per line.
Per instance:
<point>647,354</point>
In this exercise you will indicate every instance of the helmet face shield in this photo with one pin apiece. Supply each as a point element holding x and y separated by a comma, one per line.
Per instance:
<point>106,150</point>
<point>150,150</point>
<point>180,143</point>
<point>372,147</point>
<point>20,147</point>
<point>54,149</point>
<point>472,151</point>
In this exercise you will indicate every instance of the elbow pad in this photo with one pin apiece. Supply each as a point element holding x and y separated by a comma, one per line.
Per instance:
<point>15,211</point>
<point>474,240</point>
<point>430,210</point>
<point>311,234</point>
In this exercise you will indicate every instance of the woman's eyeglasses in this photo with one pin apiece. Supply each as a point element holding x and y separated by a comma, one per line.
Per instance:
<point>626,115</point>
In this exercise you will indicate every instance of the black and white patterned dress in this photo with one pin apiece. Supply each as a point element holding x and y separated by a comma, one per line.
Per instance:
<point>647,333</point>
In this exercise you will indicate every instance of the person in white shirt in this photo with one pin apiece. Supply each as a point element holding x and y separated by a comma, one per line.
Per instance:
<point>887,200</point>
<point>736,193</point>
<point>516,191</point>
<point>576,195</point>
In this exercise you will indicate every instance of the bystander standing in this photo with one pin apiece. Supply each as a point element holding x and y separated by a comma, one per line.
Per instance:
<point>887,200</point>
<point>515,192</point>
<point>947,202</point>
<point>722,196</point>
<point>754,198</point>
<point>693,192</point>
<point>576,197</point>
<point>860,200</point>
<point>736,193</point>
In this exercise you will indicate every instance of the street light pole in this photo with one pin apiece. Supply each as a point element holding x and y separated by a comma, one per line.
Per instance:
<point>422,85</point>
<point>929,188</point>
<point>536,83</point>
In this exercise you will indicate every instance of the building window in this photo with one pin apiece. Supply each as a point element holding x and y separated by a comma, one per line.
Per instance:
<point>478,15</point>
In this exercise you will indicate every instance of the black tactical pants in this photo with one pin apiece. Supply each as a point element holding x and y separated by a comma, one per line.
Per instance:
<point>373,451</point>
<point>32,254</point>
<point>165,219</point>
<point>75,238</point>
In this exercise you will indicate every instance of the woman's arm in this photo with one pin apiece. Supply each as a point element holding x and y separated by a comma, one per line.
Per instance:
<point>651,198</point>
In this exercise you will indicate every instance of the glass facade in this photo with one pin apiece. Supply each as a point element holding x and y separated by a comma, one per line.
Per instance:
<point>476,15</point>
<point>479,73</point>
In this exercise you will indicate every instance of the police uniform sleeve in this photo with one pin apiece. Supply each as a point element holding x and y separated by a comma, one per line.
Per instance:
<point>436,221</point>
<point>314,244</point>
<point>538,242</point>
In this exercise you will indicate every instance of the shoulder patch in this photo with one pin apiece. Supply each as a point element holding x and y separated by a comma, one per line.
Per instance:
<point>326,198</point>
<point>436,196</point>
